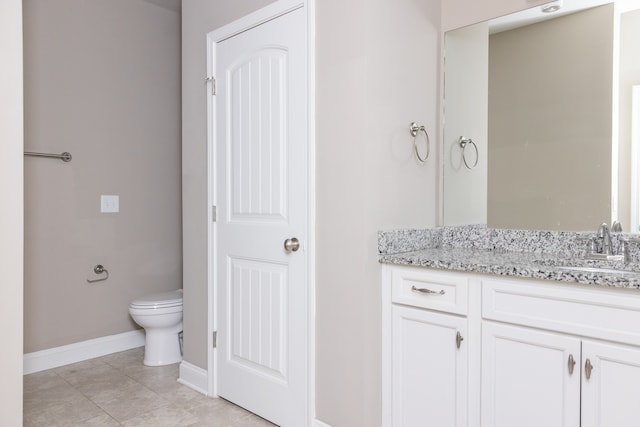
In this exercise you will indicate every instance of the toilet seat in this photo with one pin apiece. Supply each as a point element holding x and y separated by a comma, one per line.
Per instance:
<point>158,300</point>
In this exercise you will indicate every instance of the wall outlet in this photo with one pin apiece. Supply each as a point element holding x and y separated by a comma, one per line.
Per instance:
<point>109,204</point>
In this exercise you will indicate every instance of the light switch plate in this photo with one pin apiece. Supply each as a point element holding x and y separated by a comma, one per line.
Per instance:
<point>109,203</point>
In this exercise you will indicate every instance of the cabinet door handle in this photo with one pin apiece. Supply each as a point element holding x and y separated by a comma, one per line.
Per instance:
<point>427,291</point>
<point>571,364</point>
<point>588,367</point>
<point>459,339</point>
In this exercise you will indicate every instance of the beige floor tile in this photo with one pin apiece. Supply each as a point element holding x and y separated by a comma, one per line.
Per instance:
<point>106,390</point>
<point>249,421</point>
<point>102,383</point>
<point>75,368</point>
<point>41,381</point>
<point>103,420</point>
<point>219,413</point>
<point>158,383</point>
<point>184,396</point>
<point>118,390</point>
<point>45,399</point>
<point>131,402</point>
<point>256,421</point>
<point>74,412</point>
<point>124,359</point>
<point>140,372</point>
<point>166,416</point>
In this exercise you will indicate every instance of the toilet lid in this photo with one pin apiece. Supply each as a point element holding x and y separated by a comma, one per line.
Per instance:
<point>160,299</point>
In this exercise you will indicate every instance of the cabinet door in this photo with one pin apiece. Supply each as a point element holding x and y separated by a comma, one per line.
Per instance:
<point>610,385</point>
<point>526,378</point>
<point>429,370</point>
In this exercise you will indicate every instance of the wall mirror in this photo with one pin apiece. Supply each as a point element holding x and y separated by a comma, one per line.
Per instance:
<point>551,102</point>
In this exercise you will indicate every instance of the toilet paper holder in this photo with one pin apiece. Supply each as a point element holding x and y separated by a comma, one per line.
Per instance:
<point>99,269</point>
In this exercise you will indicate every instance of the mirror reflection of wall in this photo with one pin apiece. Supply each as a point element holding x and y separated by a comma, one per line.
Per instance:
<point>466,115</point>
<point>551,101</point>
<point>629,149</point>
<point>550,123</point>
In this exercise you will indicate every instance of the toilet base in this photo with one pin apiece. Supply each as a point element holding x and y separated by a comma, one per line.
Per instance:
<point>162,347</point>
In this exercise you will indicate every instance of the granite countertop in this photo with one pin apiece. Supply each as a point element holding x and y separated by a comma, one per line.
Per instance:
<point>484,256</point>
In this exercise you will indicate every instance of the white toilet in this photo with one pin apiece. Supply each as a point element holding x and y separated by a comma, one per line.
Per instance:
<point>160,314</point>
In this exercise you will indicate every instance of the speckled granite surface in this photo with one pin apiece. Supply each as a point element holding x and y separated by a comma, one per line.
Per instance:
<point>396,241</point>
<point>546,255</point>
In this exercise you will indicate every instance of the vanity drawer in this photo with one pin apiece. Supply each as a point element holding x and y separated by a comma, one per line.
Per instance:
<point>423,288</point>
<point>609,314</point>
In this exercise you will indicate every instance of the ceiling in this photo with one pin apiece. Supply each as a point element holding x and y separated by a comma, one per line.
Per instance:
<point>535,14</point>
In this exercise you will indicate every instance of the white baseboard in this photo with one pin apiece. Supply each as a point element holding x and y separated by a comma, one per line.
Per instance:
<point>194,377</point>
<point>318,423</point>
<point>84,350</point>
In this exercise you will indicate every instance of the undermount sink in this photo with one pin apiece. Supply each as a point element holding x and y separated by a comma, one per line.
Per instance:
<point>596,270</point>
<point>587,266</point>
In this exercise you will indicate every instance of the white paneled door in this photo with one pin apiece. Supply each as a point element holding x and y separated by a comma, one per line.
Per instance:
<point>610,385</point>
<point>429,368</point>
<point>530,377</point>
<point>261,187</point>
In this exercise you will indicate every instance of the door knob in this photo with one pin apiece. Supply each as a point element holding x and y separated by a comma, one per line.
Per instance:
<point>292,244</point>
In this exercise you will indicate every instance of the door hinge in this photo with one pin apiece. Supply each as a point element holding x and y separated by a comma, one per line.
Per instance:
<point>214,339</point>
<point>211,79</point>
<point>214,214</point>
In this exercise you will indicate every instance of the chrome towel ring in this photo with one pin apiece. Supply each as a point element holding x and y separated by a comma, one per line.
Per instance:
<point>414,128</point>
<point>464,143</point>
<point>99,269</point>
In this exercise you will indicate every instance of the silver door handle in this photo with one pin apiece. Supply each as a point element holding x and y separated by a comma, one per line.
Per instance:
<point>292,244</point>
<point>459,339</point>
<point>571,363</point>
<point>588,367</point>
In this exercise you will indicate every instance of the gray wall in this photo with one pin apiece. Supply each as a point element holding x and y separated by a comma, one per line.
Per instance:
<point>199,17</point>
<point>102,81</point>
<point>371,84</point>
<point>11,221</point>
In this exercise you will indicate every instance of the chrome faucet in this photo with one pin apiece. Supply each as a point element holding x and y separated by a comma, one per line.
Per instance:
<point>601,248</point>
<point>604,237</point>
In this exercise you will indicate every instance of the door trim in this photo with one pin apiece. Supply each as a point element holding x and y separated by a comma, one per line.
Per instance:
<point>245,23</point>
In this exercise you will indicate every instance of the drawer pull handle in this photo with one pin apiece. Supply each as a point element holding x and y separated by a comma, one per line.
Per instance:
<point>588,367</point>
<point>459,339</point>
<point>571,363</point>
<point>427,291</point>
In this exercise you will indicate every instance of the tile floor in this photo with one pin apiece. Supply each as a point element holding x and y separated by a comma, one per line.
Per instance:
<point>118,390</point>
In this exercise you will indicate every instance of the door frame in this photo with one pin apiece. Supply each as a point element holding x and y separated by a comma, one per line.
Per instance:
<point>272,11</point>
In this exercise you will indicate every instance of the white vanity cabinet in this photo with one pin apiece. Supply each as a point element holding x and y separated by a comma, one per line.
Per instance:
<point>539,378</point>
<point>535,353</point>
<point>426,349</point>
<point>611,394</point>
<point>574,361</point>
<point>529,377</point>
<point>429,370</point>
